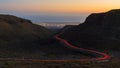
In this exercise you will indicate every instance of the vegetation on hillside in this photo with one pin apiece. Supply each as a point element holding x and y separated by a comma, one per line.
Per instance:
<point>17,31</point>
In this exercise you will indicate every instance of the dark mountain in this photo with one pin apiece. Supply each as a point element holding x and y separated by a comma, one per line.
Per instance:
<point>20,38</point>
<point>100,30</point>
<point>17,31</point>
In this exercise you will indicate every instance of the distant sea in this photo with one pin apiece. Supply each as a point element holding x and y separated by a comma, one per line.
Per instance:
<point>50,18</point>
<point>54,19</point>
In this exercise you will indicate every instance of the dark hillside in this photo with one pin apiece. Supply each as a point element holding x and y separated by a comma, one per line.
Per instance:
<point>17,31</point>
<point>100,30</point>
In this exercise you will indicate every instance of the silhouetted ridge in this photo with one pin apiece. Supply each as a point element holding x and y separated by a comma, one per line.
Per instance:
<point>100,30</point>
<point>12,19</point>
<point>110,18</point>
<point>95,17</point>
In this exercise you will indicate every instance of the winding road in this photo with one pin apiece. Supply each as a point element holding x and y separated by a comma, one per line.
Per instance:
<point>101,56</point>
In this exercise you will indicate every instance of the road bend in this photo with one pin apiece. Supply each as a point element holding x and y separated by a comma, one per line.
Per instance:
<point>101,56</point>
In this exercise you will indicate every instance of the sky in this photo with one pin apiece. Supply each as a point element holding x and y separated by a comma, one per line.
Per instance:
<point>56,10</point>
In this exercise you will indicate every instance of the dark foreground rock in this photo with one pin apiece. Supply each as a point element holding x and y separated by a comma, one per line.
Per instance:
<point>100,30</point>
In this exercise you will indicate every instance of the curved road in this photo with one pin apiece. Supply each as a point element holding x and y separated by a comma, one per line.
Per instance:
<point>101,56</point>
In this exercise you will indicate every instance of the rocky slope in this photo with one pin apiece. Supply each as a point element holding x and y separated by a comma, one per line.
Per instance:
<point>22,32</point>
<point>100,30</point>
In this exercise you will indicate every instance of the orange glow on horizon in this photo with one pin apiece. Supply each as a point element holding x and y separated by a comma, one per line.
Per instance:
<point>77,6</point>
<point>67,9</point>
<point>72,9</point>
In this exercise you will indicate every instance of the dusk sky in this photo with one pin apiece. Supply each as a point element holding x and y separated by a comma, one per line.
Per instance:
<point>56,10</point>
